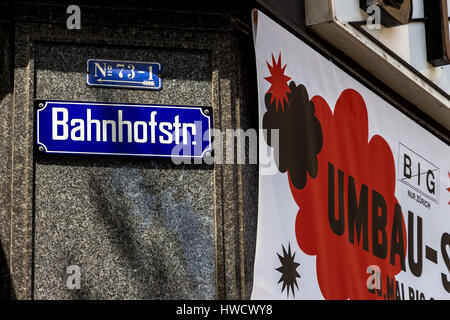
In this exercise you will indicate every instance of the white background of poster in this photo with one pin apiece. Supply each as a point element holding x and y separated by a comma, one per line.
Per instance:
<point>277,208</point>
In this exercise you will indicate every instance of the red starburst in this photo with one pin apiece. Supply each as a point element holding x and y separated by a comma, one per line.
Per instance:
<point>278,80</point>
<point>448,189</point>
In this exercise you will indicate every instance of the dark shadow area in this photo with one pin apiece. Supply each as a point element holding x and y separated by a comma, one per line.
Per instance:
<point>6,88</point>
<point>156,259</point>
<point>6,290</point>
<point>69,58</point>
<point>6,50</point>
<point>250,173</point>
<point>141,17</point>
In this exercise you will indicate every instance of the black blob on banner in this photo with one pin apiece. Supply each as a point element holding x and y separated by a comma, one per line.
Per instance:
<point>300,135</point>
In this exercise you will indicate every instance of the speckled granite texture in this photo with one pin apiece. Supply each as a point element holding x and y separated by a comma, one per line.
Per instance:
<point>143,228</point>
<point>5,160</point>
<point>136,229</point>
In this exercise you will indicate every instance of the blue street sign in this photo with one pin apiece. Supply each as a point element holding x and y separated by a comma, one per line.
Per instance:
<point>123,129</point>
<point>123,74</point>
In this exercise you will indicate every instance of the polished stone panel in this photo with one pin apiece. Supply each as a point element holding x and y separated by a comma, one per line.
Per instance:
<point>137,228</point>
<point>6,92</point>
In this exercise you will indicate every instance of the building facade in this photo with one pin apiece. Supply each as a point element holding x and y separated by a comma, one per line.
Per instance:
<point>120,227</point>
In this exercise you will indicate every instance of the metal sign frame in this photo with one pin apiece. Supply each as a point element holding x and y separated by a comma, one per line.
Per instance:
<point>126,83</point>
<point>41,105</point>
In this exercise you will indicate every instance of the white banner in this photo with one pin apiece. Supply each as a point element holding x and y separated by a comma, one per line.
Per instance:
<point>358,206</point>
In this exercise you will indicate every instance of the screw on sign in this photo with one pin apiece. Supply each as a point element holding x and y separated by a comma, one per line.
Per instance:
<point>399,12</point>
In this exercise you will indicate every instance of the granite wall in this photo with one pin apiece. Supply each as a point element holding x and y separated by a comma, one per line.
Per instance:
<point>6,93</point>
<point>137,228</point>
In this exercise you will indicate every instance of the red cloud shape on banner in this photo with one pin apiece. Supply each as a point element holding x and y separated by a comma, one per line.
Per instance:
<point>359,177</point>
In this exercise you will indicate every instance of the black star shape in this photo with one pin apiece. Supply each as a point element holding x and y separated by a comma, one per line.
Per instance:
<point>288,270</point>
